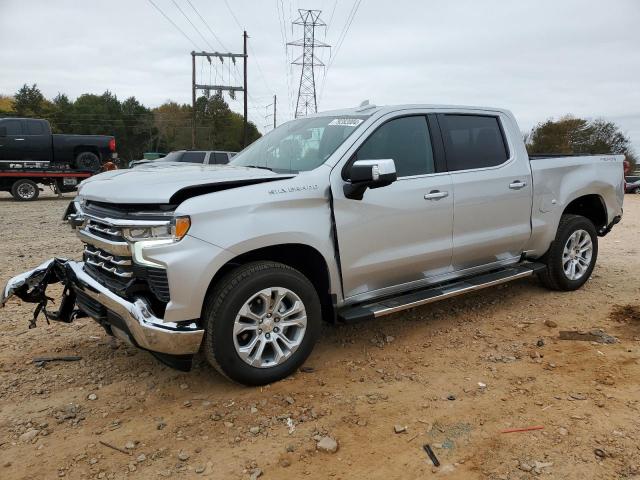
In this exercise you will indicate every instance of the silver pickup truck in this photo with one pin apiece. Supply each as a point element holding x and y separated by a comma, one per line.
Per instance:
<point>340,216</point>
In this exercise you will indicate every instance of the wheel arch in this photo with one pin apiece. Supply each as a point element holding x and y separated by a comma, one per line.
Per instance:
<point>304,258</point>
<point>591,206</point>
<point>77,150</point>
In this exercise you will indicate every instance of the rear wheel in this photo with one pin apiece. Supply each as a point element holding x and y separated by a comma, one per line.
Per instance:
<point>572,255</point>
<point>25,190</point>
<point>261,322</point>
<point>87,161</point>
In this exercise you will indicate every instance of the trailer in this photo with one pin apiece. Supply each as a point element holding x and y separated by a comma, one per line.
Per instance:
<point>22,178</point>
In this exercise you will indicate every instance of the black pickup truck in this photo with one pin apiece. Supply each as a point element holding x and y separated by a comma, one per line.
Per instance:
<point>31,140</point>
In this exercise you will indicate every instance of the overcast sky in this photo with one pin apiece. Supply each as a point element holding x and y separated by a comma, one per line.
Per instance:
<point>541,59</point>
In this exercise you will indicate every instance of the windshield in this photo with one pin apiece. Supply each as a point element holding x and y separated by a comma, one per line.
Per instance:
<point>299,145</point>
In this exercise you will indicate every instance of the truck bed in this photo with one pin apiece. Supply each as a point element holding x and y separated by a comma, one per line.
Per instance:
<point>558,180</point>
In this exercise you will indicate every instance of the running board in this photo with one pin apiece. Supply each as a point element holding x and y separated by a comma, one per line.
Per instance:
<point>416,298</point>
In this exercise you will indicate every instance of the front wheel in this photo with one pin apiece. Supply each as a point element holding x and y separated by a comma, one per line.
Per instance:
<point>261,322</point>
<point>25,190</point>
<point>572,255</point>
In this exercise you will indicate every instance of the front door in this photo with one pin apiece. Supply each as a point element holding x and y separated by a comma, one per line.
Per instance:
<point>492,189</point>
<point>12,145</point>
<point>400,234</point>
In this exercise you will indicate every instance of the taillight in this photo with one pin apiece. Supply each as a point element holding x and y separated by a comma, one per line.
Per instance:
<point>112,145</point>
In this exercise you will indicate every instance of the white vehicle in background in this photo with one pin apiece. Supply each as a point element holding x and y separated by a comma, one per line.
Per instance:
<point>341,216</point>
<point>203,157</point>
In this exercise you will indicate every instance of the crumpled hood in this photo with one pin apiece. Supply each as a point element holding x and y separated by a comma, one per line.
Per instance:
<point>154,184</point>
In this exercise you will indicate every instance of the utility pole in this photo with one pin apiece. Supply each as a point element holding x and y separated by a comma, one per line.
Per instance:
<point>275,104</point>
<point>193,100</point>
<point>309,20</point>
<point>246,127</point>
<point>219,88</point>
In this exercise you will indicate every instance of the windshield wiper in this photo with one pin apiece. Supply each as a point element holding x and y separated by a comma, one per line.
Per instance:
<point>260,167</point>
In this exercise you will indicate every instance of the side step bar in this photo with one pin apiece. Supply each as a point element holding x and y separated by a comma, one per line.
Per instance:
<point>416,298</point>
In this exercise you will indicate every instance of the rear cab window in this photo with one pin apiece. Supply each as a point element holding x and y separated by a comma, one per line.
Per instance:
<point>473,141</point>
<point>221,158</point>
<point>192,157</point>
<point>35,127</point>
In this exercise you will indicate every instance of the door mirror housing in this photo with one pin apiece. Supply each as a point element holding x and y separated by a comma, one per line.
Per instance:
<point>365,174</point>
<point>3,131</point>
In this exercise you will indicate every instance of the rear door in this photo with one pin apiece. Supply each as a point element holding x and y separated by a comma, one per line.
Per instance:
<point>399,235</point>
<point>37,140</point>
<point>12,146</point>
<point>492,189</point>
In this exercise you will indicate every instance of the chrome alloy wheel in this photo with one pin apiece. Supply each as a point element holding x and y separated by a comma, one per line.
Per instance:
<point>26,191</point>
<point>576,256</point>
<point>269,327</point>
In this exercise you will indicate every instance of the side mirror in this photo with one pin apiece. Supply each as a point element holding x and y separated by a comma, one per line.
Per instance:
<point>369,174</point>
<point>3,131</point>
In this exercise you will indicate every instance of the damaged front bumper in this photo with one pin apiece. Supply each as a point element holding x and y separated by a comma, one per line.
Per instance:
<point>83,296</point>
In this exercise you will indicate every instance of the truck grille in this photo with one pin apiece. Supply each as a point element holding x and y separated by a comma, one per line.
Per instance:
<point>105,231</point>
<point>118,272</point>
<point>115,273</point>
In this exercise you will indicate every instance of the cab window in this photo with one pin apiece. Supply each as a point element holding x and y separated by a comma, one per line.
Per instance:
<point>472,141</point>
<point>406,140</point>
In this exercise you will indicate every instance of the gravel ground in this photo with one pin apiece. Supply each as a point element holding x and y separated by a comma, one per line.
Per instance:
<point>453,375</point>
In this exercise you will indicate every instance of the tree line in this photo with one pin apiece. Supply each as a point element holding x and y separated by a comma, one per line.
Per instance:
<point>571,135</point>
<point>140,129</point>
<point>137,128</point>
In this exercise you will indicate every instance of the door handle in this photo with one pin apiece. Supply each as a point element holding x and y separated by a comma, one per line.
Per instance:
<point>19,139</point>
<point>435,195</point>
<point>517,185</point>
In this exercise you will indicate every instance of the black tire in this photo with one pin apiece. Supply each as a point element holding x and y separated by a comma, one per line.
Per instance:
<point>554,276</point>
<point>224,302</point>
<point>25,190</point>
<point>87,161</point>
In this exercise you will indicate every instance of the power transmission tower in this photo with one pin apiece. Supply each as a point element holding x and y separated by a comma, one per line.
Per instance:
<point>219,88</point>
<point>309,20</point>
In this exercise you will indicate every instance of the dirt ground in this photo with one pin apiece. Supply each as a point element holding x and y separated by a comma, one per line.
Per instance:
<point>455,374</point>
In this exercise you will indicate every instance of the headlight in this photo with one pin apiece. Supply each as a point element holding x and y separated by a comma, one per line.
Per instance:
<point>174,230</point>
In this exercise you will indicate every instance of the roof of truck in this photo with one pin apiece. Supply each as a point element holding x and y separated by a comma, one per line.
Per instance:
<point>370,109</point>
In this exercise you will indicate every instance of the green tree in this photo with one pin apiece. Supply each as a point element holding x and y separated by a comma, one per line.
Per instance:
<point>6,105</point>
<point>29,101</point>
<point>218,127</point>
<point>173,124</point>
<point>576,135</point>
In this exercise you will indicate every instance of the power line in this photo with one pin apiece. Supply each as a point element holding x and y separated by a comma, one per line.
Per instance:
<point>233,14</point>
<point>207,25</point>
<point>173,23</point>
<point>335,4</point>
<point>345,31</point>
<point>194,27</point>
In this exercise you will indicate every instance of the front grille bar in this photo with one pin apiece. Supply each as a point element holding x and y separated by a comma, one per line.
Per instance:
<point>106,231</point>
<point>112,270</point>
<point>107,258</point>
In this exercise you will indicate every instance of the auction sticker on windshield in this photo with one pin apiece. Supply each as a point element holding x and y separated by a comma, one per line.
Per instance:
<point>346,122</point>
